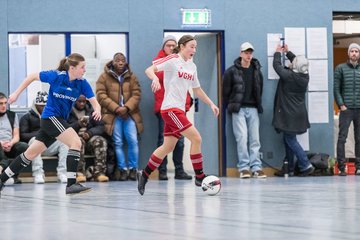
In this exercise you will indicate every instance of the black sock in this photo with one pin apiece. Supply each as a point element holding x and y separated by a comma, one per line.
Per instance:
<point>18,164</point>
<point>146,173</point>
<point>71,165</point>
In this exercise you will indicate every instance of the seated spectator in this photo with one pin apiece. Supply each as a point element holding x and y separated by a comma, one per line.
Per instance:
<point>91,133</point>
<point>29,127</point>
<point>10,145</point>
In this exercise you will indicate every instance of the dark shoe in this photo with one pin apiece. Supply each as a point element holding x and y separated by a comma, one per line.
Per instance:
<point>307,172</point>
<point>182,176</point>
<point>198,181</point>
<point>342,173</point>
<point>77,188</point>
<point>163,176</point>
<point>281,173</point>
<point>123,175</point>
<point>17,180</point>
<point>132,174</point>
<point>357,172</point>
<point>141,182</point>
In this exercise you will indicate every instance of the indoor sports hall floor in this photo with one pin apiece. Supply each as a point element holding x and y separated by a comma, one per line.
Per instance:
<point>273,208</point>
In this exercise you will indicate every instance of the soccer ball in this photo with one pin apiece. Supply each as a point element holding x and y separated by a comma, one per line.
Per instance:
<point>211,185</point>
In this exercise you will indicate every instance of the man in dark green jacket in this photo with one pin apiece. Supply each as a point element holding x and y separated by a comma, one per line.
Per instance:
<point>347,97</point>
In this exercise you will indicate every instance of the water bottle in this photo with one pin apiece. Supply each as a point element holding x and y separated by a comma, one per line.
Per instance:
<point>286,169</point>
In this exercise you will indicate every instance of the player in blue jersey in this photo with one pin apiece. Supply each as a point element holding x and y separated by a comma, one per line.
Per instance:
<point>66,85</point>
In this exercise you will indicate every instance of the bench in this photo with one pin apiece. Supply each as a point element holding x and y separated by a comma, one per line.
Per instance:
<point>50,164</point>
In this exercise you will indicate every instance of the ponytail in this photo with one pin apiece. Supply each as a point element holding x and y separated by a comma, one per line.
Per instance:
<point>72,60</point>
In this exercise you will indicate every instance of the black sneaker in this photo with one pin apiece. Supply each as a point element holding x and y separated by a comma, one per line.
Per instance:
<point>77,188</point>
<point>198,181</point>
<point>163,176</point>
<point>357,172</point>
<point>141,182</point>
<point>307,172</point>
<point>281,173</point>
<point>182,176</point>
<point>123,175</point>
<point>342,173</point>
<point>132,174</point>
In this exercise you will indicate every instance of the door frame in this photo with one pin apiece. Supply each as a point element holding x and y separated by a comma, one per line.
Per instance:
<point>220,47</point>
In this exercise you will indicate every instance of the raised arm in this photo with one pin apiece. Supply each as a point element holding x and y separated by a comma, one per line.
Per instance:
<point>28,80</point>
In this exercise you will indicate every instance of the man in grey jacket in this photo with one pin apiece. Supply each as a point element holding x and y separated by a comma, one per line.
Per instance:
<point>346,93</point>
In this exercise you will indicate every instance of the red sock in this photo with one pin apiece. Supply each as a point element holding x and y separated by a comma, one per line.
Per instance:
<point>197,162</point>
<point>154,162</point>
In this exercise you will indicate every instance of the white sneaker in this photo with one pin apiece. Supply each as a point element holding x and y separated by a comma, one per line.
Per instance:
<point>62,178</point>
<point>10,181</point>
<point>39,179</point>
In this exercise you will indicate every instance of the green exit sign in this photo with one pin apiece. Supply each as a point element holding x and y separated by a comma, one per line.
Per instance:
<point>196,17</point>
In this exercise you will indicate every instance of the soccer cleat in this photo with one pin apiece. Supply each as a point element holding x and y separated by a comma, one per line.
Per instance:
<point>141,182</point>
<point>198,181</point>
<point>77,188</point>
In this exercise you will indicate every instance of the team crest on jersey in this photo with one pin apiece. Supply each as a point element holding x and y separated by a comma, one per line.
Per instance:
<point>186,76</point>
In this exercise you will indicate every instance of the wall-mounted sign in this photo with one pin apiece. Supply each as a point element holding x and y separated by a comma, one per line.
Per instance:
<point>196,17</point>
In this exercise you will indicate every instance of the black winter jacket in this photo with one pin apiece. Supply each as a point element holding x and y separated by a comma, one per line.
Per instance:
<point>29,125</point>
<point>234,86</point>
<point>93,128</point>
<point>290,114</point>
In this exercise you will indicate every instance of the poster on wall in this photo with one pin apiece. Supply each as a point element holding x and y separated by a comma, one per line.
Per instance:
<point>295,39</point>
<point>316,43</point>
<point>318,73</point>
<point>273,39</point>
<point>318,107</point>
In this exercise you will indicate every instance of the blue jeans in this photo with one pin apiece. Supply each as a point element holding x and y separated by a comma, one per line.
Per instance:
<point>177,153</point>
<point>246,125</point>
<point>125,129</point>
<point>292,147</point>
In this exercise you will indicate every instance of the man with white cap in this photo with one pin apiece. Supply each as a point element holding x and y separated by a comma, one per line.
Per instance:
<point>168,45</point>
<point>346,93</point>
<point>242,92</point>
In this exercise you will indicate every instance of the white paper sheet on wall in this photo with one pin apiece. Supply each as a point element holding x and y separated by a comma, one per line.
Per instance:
<point>318,103</point>
<point>295,39</point>
<point>318,71</point>
<point>271,72</point>
<point>273,39</point>
<point>316,39</point>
